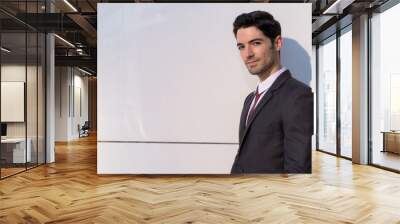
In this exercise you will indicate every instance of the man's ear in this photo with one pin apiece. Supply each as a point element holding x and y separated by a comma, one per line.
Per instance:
<point>278,42</point>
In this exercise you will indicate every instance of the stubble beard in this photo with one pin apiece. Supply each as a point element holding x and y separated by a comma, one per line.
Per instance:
<point>266,68</point>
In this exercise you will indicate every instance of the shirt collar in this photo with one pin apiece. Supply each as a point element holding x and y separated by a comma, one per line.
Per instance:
<point>267,83</point>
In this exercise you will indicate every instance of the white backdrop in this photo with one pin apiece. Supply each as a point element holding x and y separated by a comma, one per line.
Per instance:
<point>171,73</point>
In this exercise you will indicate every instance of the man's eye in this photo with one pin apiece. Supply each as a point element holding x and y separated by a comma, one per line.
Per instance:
<point>240,47</point>
<point>256,43</point>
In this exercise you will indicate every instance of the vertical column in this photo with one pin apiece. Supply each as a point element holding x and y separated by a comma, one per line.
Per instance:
<point>360,90</point>
<point>50,92</point>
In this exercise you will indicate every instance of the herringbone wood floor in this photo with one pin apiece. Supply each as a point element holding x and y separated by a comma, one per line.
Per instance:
<point>70,191</point>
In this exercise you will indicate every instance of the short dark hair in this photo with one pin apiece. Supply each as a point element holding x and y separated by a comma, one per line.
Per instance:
<point>264,21</point>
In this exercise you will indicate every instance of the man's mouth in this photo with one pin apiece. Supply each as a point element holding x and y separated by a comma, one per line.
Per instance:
<point>251,63</point>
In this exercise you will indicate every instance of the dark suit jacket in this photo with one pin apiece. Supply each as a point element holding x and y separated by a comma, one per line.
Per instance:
<point>277,138</point>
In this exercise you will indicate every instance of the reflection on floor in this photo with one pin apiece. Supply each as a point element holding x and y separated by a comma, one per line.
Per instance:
<point>387,159</point>
<point>10,169</point>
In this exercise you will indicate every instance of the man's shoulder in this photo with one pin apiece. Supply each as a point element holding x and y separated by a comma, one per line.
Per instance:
<point>293,85</point>
<point>251,94</point>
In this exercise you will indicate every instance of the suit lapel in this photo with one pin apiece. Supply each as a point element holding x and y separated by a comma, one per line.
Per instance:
<point>245,111</point>
<point>267,97</point>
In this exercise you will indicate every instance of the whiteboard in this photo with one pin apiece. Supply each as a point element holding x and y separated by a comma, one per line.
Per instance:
<point>172,72</point>
<point>12,101</point>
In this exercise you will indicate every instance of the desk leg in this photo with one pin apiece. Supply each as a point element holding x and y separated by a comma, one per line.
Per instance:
<point>384,142</point>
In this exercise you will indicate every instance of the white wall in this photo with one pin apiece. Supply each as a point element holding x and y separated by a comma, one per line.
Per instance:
<point>174,81</point>
<point>80,102</point>
<point>61,103</point>
<point>67,117</point>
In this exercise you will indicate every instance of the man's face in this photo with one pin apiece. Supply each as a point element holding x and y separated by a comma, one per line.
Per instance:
<point>256,50</point>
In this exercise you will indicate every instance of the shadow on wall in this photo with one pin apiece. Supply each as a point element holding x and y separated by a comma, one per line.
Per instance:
<point>297,60</point>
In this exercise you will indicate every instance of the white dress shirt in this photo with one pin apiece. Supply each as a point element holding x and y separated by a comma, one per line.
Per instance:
<point>264,86</point>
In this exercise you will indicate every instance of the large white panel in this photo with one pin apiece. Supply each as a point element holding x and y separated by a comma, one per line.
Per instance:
<point>171,72</point>
<point>154,158</point>
<point>12,101</point>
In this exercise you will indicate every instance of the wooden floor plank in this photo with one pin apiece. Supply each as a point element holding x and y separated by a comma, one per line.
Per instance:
<point>70,191</point>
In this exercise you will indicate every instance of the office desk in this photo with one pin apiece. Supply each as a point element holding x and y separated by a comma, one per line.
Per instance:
<point>391,141</point>
<point>13,150</point>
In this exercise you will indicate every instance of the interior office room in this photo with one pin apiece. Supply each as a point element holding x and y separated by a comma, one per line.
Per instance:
<point>84,139</point>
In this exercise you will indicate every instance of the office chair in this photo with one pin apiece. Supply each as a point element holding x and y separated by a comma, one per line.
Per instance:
<point>84,130</point>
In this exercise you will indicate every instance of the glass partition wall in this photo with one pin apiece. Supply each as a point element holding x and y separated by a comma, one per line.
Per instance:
<point>13,89</point>
<point>334,133</point>
<point>385,89</point>
<point>327,95</point>
<point>334,59</point>
<point>22,88</point>
<point>345,65</point>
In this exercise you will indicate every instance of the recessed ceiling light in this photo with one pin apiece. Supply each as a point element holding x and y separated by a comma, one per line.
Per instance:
<point>70,5</point>
<point>84,71</point>
<point>5,50</point>
<point>337,7</point>
<point>64,40</point>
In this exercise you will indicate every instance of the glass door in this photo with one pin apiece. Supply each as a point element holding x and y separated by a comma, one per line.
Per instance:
<point>327,95</point>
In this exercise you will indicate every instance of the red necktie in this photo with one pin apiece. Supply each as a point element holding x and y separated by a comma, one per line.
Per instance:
<point>254,105</point>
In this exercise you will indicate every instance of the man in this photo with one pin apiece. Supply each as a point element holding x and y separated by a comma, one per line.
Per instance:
<point>276,123</point>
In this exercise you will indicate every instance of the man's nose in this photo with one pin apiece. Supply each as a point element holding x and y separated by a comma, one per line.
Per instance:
<point>250,52</point>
